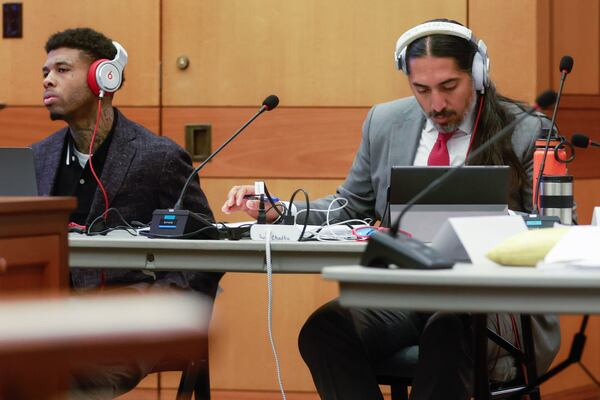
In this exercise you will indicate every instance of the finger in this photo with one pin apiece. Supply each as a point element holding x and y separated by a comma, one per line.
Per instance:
<point>253,205</point>
<point>226,208</point>
<point>242,191</point>
<point>229,199</point>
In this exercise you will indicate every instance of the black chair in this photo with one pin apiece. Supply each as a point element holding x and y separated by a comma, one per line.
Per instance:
<point>195,378</point>
<point>398,371</point>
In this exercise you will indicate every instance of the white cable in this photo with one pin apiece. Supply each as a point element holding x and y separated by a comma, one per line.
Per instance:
<point>339,208</point>
<point>270,309</point>
<point>327,232</point>
<point>329,209</point>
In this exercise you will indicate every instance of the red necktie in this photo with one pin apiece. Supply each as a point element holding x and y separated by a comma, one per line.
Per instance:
<point>439,153</point>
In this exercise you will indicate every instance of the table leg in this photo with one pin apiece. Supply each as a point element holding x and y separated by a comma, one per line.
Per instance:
<point>482,385</point>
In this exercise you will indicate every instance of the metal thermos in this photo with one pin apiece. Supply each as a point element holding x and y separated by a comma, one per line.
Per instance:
<point>552,165</point>
<point>556,197</point>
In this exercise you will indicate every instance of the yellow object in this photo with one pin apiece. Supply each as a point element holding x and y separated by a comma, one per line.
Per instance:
<point>526,248</point>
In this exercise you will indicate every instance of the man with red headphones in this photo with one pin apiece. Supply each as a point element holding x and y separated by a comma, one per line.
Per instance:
<point>119,171</point>
<point>454,108</point>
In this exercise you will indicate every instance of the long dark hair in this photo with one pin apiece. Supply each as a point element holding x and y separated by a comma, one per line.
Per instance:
<point>494,115</point>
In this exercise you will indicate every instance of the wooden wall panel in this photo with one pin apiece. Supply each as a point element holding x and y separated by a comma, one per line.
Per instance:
<point>310,53</point>
<point>575,32</point>
<point>133,23</point>
<point>543,43</point>
<point>512,51</point>
<point>582,114</point>
<point>283,143</point>
<point>22,126</point>
<point>587,196</point>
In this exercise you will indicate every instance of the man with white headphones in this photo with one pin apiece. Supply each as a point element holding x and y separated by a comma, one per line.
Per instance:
<point>119,171</point>
<point>455,108</point>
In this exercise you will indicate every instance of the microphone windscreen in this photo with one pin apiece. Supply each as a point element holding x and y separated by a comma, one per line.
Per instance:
<point>546,99</point>
<point>566,64</point>
<point>580,140</point>
<point>271,102</point>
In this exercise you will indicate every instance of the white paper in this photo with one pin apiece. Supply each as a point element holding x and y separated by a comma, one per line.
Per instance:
<point>475,236</point>
<point>580,246</point>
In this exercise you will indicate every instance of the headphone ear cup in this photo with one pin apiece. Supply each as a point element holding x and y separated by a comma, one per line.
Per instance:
<point>91,77</point>
<point>402,62</point>
<point>479,72</point>
<point>104,75</point>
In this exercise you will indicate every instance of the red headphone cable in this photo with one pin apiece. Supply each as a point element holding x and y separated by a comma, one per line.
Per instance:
<point>102,274</point>
<point>476,124</point>
<point>90,160</point>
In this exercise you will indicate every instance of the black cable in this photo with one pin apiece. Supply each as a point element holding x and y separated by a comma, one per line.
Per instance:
<point>273,205</point>
<point>126,226</point>
<point>563,143</point>
<point>129,230</point>
<point>307,209</point>
<point>281,213</point>
<point>262,214</point>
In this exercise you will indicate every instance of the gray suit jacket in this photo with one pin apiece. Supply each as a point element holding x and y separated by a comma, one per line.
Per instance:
<point>390,136</point>
<point>142,172</point>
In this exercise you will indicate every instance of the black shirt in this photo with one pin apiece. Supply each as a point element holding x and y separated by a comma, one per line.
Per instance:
<point>73,180</point>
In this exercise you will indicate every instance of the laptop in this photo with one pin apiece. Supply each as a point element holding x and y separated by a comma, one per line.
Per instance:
<point>17,172</point>
<point>471,191</point>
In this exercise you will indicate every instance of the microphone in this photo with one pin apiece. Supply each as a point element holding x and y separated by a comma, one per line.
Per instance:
<point>539,160</point>
<point>581,140</point>
<point>385,249</point>
<point>177,223</point>
<point>267,105</point>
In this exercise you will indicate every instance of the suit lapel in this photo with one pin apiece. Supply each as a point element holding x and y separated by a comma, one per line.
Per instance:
<point>116,167</point>
<point>50,162</point>
<point>406,134</point>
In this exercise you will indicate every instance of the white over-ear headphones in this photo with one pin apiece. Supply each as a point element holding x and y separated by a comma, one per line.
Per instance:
<point>481,62</point>
<point>106,76</point>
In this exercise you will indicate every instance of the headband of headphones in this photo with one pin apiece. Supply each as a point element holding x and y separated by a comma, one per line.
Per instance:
<point>481,63</point>
<point>121,56</point>
<point>106,76</point>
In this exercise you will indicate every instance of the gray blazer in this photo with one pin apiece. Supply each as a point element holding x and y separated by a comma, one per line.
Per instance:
<point>390,136</point>
<point>142,172</point>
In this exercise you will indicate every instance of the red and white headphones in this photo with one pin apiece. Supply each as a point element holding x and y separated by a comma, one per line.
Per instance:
<point>106,76</point>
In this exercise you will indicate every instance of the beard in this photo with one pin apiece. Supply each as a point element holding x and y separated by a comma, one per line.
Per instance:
<point>55,116</point>
<point>453,125</point>
<point>450,126</point>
